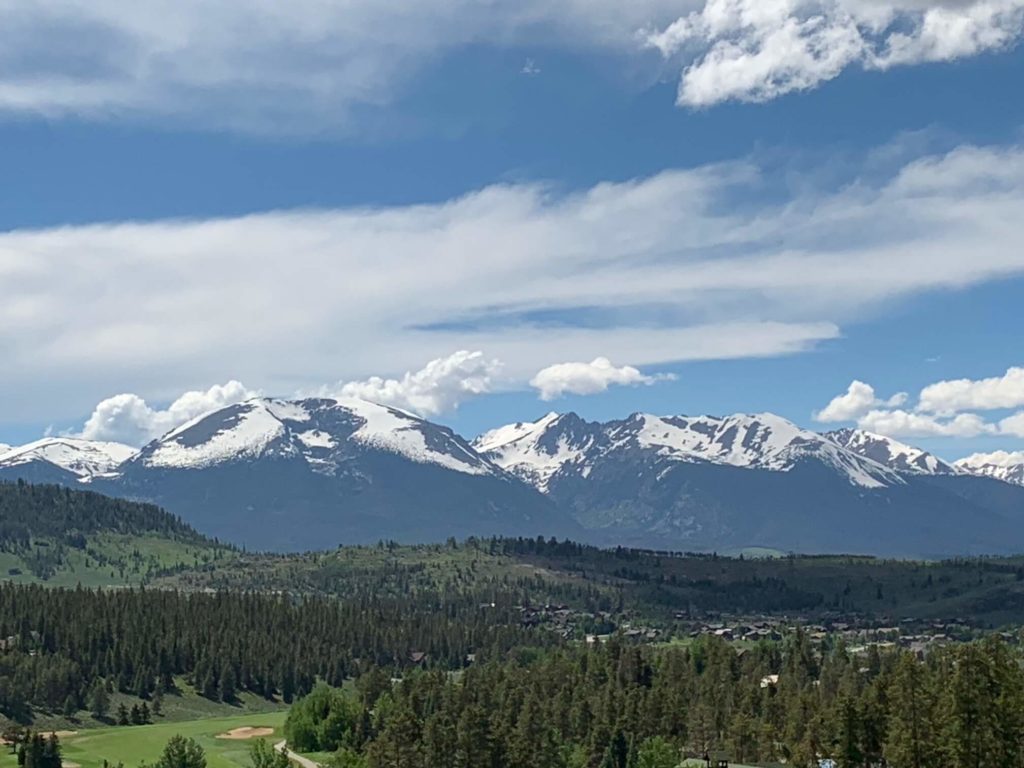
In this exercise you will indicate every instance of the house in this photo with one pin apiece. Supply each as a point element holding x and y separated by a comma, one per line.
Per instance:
<point>418,657</point>
<point>716,760</point>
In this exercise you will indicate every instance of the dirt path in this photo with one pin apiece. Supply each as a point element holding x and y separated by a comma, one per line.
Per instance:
<point>305,762</point>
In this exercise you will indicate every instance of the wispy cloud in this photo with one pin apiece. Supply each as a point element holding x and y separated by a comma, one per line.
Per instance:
<point>315,65</point>
<point>152,307</point>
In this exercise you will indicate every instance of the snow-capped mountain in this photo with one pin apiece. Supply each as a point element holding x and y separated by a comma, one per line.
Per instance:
<point>705,482</point>
<point>309,474</point>
<point>1001,465</point>
<point>566,444</point>
<point>53,459</point>
<point>317,430</point>
<point>890,453</point>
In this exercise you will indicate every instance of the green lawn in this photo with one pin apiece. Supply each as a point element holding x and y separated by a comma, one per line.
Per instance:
<point>133,745</point>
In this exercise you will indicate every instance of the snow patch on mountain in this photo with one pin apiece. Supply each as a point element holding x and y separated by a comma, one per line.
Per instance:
<point>511,433</point>
<point>536,451</point>
<point>240,431</point>
<point>84,458</point>
<point>313,429</point>
<point>753,441</point>
<point>314,438</point>
<point>403,433</point>
<point>1002,465</point>
<point>539,451</point>
<point>890,453</point>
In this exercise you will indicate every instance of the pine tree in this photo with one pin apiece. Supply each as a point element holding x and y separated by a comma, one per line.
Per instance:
<point>99,700</point>
<point>909,719</point>
<point>657,752</point>
<point>227,684</point>
<point>182,752</point>
<point>400,744</point>
<point>122,714</point>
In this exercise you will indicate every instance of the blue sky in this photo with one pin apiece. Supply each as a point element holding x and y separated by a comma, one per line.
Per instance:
<point>304,212</point>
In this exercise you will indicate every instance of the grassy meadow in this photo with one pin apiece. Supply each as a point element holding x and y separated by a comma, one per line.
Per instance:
<point>136,744</point>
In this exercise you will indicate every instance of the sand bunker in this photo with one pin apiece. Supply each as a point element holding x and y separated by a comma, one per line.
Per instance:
<point>246,732</point>
<point>69,764</point>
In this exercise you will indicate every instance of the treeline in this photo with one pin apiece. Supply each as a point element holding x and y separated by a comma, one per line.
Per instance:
<point>623,706</point>
<point>655,585</point>
<point>58,648</point>
<point>41,523</point>
<point>51,511</point>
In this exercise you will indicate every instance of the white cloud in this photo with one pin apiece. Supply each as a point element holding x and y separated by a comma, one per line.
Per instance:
<point>127,418</point>
<point>303,65</point>
<point>900,423</point>
<point>440,386</point>
<point>944,409</point>
<point>1006,391</point>
<point>313,65</point>
<point>757,50</point>
<point>1012,425</point>
<point>996,458</point>
<point>666,267</point>
<point>588,378</point>
<point>858,399</point>
<point>530,68</point>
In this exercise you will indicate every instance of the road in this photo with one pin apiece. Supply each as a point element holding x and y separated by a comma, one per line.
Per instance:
<point>305,762</point>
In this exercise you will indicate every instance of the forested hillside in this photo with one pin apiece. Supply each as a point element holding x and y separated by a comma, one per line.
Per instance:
<point>58,646</point>
<point>655,585</point>
<point>616,705</point>
<point>48,531</point>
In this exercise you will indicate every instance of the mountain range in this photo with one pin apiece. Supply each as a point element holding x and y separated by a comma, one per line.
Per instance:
<point>311,474</point>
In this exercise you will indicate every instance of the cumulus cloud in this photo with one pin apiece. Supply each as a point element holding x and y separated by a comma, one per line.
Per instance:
<point>995,459</point>
<point>666,268</point>
<point>901,423</point>
<point>588,378</point>
<point>757,50</point>
<point>858,399</point>
<point>1013,425</point>
<point>943,409</point>
<point>1006,391</point>
<point>128,418</point>
<point>311,65</point>
<point>439,387</point>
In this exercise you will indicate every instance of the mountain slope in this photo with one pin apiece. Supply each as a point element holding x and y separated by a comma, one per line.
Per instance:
<point>890,453</point>
<point>62,460</point>
<point>1000,465</point>
<point>67,537</point>
<point>314,473</point>
<point>310,474</point>
<point>566,445</point>
<point>748,480</point>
